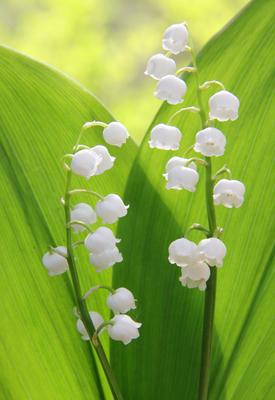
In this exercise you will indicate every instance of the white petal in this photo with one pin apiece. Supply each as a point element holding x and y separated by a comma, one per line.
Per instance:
<point>111,208</point>
<point>101,240</point>
<point>159,66</point>
<point>115,134</point>
<point>175,38</point>
<point>165,137</point>
<point>182,178</point>
<point>107,161</point>
<point>82,212</point>
<point>171,89</point>
<point>106,259</point>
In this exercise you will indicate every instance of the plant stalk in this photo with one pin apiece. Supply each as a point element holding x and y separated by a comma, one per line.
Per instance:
<point>210,293</point>
<point>81,304</point>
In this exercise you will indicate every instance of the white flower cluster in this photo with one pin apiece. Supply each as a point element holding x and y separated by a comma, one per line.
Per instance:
<point>121,327</point>
<point>182,173</point>
<point>195,260</point>
<point>101,242</point>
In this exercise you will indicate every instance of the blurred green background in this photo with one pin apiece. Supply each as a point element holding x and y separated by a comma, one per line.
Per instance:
<point>105,43</point>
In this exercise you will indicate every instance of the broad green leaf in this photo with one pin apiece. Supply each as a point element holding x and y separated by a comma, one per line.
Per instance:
<point>164,362</point>
<point>41,112</point>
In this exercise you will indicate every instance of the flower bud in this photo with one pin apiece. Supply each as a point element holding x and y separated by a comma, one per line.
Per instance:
<point>111,208</point>
<point>165,137</point>
<point>210,142</point>
<point>82,212</point>
<point>101,240</point>
<point>171,89</point>
<point>56,263</point>
<point>85,163</point>
<point>105,259</point>
<point>183,252</point>
<point>182,178</point>
<point>224,106</point>
<point>229,193</point>
<point>96,319</point>
<point>107,161</point>
<point>115,134</point>
<point>213,251</point>
<point>159,66</point>
<point>124,329</point>
<point>175,38</point>
<point>179,162</point>
<point>121,301</point>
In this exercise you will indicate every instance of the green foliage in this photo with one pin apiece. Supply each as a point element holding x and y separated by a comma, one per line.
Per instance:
<point>41,113</point>
<point>164,362</point>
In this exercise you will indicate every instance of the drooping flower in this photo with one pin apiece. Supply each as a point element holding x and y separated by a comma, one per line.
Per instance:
<point>55,261</point>
<point>179,162</point>
<point>159,66</point>
<point>111,208</point>
<point>105,259</point>
<point>124,328</point>
<point>195,276</point>
<point>210,142</point>
<point>106,162</point>
<point>229,193</point>
<point>101,240</point>
<point>96,319</point>
<point>224,106</point>
<point>82,212</point>
<point>213,251</point>
<point>183,252</point>
<point>121,301</point>
<point>175,38</point>
<point>182,178</point>
<point>165,137</point>
<point>85,163</point>
<point>115,134</point>
<point>171,89</point>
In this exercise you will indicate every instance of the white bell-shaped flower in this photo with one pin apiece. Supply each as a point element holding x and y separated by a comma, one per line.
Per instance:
<point>124,328</point>
<point>182,178</point>
<point>195,275</point>
<point>175,38</point>
<point>56,262</point>
<point>85,163</point>
<point>229,193</point>
<point>111,208</point>
<point>96,319</point>
<point>179,162</point>
<point>115,134</point>
<point>107,161</point>
<point>121,301</point>
<point>224,106</point>
<point>183,252</point>
<point>213,251</point>
<point>159,66</point>
<point>105,259</point>
<point>210,142</point>
<point>170,88</point>
<point>165,137</point>
<point>85,213</point>
<point>101,240</point>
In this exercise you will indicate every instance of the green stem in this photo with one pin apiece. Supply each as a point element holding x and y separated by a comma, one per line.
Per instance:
<point>210,294</point>
<point>81,304</point>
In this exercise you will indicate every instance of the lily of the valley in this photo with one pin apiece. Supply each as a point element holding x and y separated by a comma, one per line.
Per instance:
<point>210,142</point>
<point>121,301</point>
<point>96,319</point>
<point>213,251</point>
<point>181,177</point>
<point>55,261</point>
<point>201,273</point>
<point>159,66</point>
<point>175,38</point>
<point>165,137</point>
<point>183,252</point>
<point>115,134</point>
<point>171,89</point>
<point>111,208</point>
<point>101,240</point>
<point>85,163</point>
<point>107,161</point>
<point>123,328</point>
<point>105,259</point>
<point>229,193</point>
<point>85,213</point>
<point>224,106</point>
